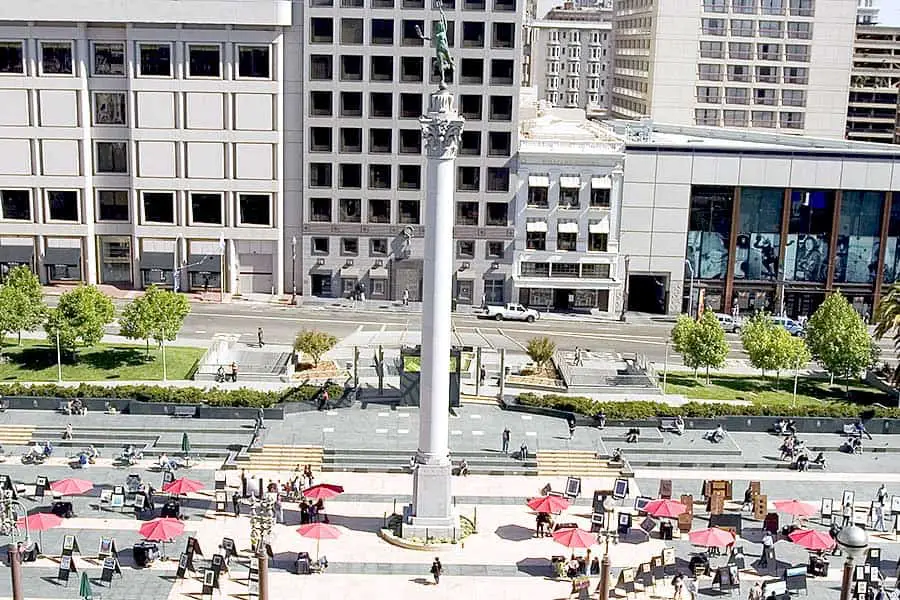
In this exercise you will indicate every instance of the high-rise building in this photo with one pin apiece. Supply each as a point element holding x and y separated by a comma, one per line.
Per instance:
<point>568,57</point>
<point>867,12</point>
<point>874,86</point>
<point>367,73</point>
<point>766,64</point>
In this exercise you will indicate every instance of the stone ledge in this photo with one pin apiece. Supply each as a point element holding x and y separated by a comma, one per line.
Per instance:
<point>388,536</point>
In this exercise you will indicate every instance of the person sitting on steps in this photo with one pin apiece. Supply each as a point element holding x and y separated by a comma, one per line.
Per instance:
<point>716,435</point>
<point>632,436</point>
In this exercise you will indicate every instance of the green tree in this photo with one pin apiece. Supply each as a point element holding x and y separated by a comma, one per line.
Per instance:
<point>79,318</point>
<point>8,322</point>
<point>887,321</point>
<point>158,314</point>
<point>25,300</point>
<point>838,339</point>
<point>757,337</point>
<point>314,344</point>
<point>701,343</point>
<point>540,351</point>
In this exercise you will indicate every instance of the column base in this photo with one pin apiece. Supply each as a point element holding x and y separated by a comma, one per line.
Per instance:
<point>431,514</point>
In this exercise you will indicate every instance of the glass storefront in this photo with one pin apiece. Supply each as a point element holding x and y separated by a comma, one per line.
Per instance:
<point>759,237</point>
<point>806,255</point>
<point>859,237</point>
<point>709,231</point>
<point>892,251</point>
<point>115,259</point>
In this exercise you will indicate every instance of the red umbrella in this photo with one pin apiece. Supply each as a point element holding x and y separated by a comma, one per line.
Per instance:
<point>161,530</point>
<point>71,486</point>
<point>795,508</point>
<point>323,491</point>
<point>575,538</point>
<point>812,539</point>
<point>319,531</point>
<point>181,486</point>
<point>548,504</point>
<point>665,508</point>
<point>711,538</point>
<point>39,522</point>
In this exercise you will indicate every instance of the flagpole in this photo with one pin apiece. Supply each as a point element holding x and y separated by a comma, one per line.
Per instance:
<point>221,268</point>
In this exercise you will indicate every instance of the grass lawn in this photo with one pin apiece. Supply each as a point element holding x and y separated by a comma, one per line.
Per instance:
<point>761,390</point>
<point>413,364</point>
<point>35,360</point>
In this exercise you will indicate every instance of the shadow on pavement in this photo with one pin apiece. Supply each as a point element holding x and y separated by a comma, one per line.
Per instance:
<point>536,567</point>
<point>514,533</point>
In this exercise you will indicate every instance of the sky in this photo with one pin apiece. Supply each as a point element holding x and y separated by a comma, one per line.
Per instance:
<point>889,12</point>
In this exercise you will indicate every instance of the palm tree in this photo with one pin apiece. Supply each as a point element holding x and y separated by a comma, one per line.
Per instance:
<point>887,321</point>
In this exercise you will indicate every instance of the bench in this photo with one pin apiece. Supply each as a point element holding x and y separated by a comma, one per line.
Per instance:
<point>850,430</point>
<point>667,424</point>
<point>184,412</point>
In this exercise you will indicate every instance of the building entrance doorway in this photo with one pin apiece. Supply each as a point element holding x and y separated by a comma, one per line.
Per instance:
<point>647,293</point>
<point>563,300</point>
<point>321,284</point>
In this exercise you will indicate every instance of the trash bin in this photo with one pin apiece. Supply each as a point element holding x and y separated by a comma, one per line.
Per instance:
<point>302,564</point>
<point>770,523</point>
<point>144,553</point>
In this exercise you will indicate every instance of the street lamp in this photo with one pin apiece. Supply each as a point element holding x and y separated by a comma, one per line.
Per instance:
<point>10,512</point>
<point>691,293</point>
<point>262,520</point>
<point>853,541</point>
<point>606,536</point>
<point>293,270</point>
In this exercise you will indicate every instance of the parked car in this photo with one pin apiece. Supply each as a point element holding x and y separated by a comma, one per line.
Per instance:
<point>509,312</point>
<point>728,323</point>
<point>792,326</point>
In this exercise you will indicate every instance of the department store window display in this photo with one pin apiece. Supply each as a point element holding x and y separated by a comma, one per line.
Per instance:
<point>892,250</point>
<point>709,231</point>
<point>759,237</point>
<point>806,255</point>
<point>859,240</point>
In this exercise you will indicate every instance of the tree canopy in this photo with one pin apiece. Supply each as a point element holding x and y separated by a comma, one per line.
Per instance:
<point>314,344</point>
<point>79,318</point>
<point>157,315</point>
<point>838,338</point>
<point>23,307</point>
<point>701,343</point>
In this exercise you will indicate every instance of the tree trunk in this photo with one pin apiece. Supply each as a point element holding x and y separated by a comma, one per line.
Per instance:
<point>777,377</point>
<point>19,342</point>
<point>832,378</point>
<point>148,348</point>
<point>707,374</point>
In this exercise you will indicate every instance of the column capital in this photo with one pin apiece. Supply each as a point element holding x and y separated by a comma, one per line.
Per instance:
<point>441,126</point>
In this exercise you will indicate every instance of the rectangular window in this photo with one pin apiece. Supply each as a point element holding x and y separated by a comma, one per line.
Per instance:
<point>792,120</point>
<point>15,205</point>
<point>709,95</point>
<point>768,51</point>
<point>349,246</point>
<point>112,157</point>
<point>321,30</point>
<point>320,67</point>
<point>159,207</point>
<point>351,140</point>
<point>350,176</point>
<point>595,271</point>
<point>109,59</point>
<point>770,29</point>
<point>206,209</point>
<point>535,240</point>
<point>154,60</point>
<point>320,210</point>
<point>765,96</point>
<point>802,8</point>
<point>465,249</point>
<point>796,53</point>
<point>714,6</point>
<point>767,74</point>
<point>713,26</point>
<point>409,32</point>
<point>599,198</point>
<point>56,58</point>
<point>409,212</point>
<point>568,197</point>
<point>109,108</point>
<point>495,250</point>
<point>255,209</point>
<point>378,247</point>
<point>62,205</point>
<point>204,60</point>
<point>739,73</point>
<point>498,179</point>
<point>497,214</point>
<point>379,177</point>
<point>798,75</point>
<point>740,50</point>
<point>113,205</point>
<point>735,118</point>
<point>737,96</point>
<point>763,118</point>
<point>320,104</point>
<point>379,211</point>
<point>533,269</point>
<point>320,139</point>
<point>351,31</point>
<point>12,58</point>
<point>706,116</point>
<point>773,7</point>
<point>467,213</point>
<point>799,31</point>
<point>537,197</point>
<point>350,210</point>
<point>597,242</point>
<point>464,290</point>
<point>254,62</point>
<point>468,179</point>
<point>564,270</point>
<point>710,72</point>
<point>566,242</point>
<point>742,27</point>
<point>793,97</point>
<point>409,177</point>
<point>320,245</point>
<point>319,175</point>
<point>743,7</point>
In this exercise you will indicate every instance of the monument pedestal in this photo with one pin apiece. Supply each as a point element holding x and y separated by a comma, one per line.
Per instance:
<point>432,499</point>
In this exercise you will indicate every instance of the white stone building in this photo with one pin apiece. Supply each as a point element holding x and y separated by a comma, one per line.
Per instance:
<point>567,213</point>
<point>763,64</point>
<point>569,57</point>
<point>139,136</point>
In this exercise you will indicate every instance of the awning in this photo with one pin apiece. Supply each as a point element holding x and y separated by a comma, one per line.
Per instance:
<point>321,270</point>
<point>465,275</point>
<point>599,226</point>
<point>601,183</point>
<point>570,182</point>
<point>538,181</point>
<point>378,273</point>
<point>536,226</point>
<point>204,263</point>
<point>349,273</point>
<point>66,257</point>
<point>16,254</point>
<point>164,261</point>
<point>571,227</point>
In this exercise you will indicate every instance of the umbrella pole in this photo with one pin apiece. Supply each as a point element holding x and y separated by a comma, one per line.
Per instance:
<point>317,549</point>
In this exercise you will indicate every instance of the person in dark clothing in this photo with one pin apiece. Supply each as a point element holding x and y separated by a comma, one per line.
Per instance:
<point>236,503</point>
<point>571,423</point>
<point>482,375</point>
<point>259,336</point>
<point>234,372</point>
<point>436,569</point>
<point>504,438</point>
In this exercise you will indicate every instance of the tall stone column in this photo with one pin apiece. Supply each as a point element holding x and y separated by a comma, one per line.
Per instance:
<point>432,511</point>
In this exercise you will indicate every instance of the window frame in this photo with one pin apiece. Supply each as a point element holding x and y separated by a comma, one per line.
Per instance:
<point>97,205</point>
<point>142,206</point>
<point>97,170</point>
<point>139,71</point>
<point>123,45</point>
<point>40,58</point>
<point>21,44</point>
<point>239,221</point>
<point>187,60</point>
<point>95,121</point>
<point>190,208</point>
<point>237,61</point>
<point>31,207</point>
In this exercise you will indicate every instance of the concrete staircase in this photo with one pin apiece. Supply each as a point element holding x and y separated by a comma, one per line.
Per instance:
<point>280,458</point>
<point>397,461</point>
<point>583,463</point>
<point>16,435</point>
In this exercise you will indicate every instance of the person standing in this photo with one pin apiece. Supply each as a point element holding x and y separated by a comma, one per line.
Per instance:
<point>236,503</point>
<point>847,514</point>
<point>881,495</point>
<point>678,584</point>
<point>243,483</point>
<point>482,375</point>
<point>768,543</point>
<point>436,569</point>
<point>406,297</point>
<point>259,336</point>
<point>571,423</point>
<point>755,592</point>
<point>260,419</point>
<point>504,438</point>
<point>234,371</point>
<point>878,517</point>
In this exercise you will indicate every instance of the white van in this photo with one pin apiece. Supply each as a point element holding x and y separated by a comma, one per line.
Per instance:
<point>728,323</point>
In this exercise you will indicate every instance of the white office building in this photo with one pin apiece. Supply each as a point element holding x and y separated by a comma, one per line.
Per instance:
<point>762,64</point>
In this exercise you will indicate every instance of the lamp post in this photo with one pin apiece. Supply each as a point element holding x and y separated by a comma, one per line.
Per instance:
<point>691,292</point>
<point>604,538</point>
<point>293,270</point>
<point>625,289</point>
<point>853,541</point>
<point>262,520</point>
<point>10,512</point>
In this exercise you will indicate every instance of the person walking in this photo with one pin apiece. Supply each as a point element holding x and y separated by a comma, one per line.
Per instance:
<point>234,371</point>
<point>878,517</point>
<point>571,423</point>
<point>482,375</point>
<point>847,514</point>
<point>881,495</point>
<point>768,544</point>
<point>755,592</point>
<point>236,503</point>
<point>406,297</point>
<point>259,336</point>
<point>436,569</point>
<point>504,438</point>
<point>260,419</point>
<point>678,584</point>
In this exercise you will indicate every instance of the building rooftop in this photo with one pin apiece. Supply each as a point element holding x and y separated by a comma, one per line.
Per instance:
<point>646,133</point>
<point>564,130</point>
<point>579,14</point>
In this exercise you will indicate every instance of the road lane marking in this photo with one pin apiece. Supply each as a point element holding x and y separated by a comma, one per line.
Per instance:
<point>476,432</point>
<point>402,415</point>
<point>531,433</point>
<point>456,432</point>
<point>401,431</point>
<point>526,417</point>
<point>381,431</point>
<point>331,413</point>
<point>383,414</point>
<point>474,416</point>
<point>513,340</point>
<point>328,430</point>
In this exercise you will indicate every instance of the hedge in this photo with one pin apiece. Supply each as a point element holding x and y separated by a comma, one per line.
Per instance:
<point>648,410</point>
<point>242,397</point>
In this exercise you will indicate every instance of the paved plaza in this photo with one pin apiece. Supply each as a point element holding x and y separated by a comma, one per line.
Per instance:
<point>503,560</point>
